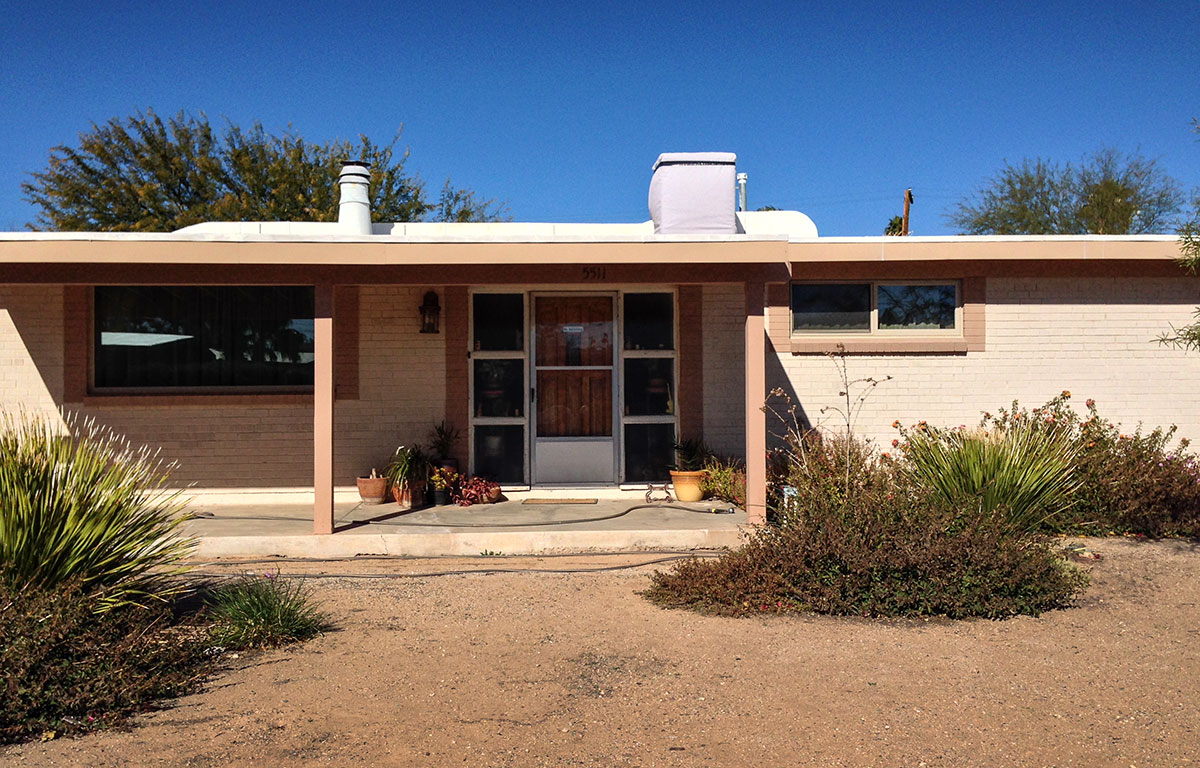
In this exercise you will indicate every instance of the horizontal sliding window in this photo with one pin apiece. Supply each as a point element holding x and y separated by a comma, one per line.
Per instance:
<point>916,307</point>
<point>196,337</point>
<point>879,307</point>
<point>831,307</point>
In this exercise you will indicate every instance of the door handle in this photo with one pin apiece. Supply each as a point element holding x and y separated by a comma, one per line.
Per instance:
<point>532,395</point>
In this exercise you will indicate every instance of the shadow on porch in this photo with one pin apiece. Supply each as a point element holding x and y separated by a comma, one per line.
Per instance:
<point>509,527</point>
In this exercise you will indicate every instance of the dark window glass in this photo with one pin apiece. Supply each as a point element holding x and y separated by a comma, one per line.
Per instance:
<point>189,336</point>
<point>649,386</point>
<point>916,307</point>
<point>500,453</point>
<point>831,307</point>
<point>649,321</point>
<point>499,320</point>
<point>500,388</point>
<point>649,452</point>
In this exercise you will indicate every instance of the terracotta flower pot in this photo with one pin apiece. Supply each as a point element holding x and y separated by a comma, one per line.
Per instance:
<point>410,495</point>
<point>372,490</point>
<point>687,485</point>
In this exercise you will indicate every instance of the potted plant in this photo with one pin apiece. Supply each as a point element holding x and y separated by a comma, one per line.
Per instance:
<point>373,489</point>
<point>688,473</point>
<point>476,490</point>
<point>408,471</point>
<point>445,484</point>
<point>441,442</point>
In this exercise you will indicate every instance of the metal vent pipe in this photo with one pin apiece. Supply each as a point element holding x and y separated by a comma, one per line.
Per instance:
<point>354,204</point>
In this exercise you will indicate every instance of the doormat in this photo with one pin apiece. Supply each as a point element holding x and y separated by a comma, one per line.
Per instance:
<point>559,501</point>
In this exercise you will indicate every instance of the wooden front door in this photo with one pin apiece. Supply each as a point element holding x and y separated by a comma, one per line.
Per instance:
<point>574,369</point>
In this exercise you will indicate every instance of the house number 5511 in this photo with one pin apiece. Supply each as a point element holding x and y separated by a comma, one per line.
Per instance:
<point>593,273</point>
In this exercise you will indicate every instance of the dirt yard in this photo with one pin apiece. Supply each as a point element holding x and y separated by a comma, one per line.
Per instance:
<point>577,670</point>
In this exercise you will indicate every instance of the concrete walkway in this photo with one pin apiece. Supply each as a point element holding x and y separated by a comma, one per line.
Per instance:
<point>261,528</point>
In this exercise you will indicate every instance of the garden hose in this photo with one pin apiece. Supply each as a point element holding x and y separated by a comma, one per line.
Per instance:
<point>458,571</point>
<point>718,510</point>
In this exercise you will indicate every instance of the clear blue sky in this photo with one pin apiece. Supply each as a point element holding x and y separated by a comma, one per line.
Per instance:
<point>560,109</point>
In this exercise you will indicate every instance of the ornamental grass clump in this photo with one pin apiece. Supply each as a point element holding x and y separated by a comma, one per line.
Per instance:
<point>79,504</point>
<point>1022,471</point>
<point>263,611</point>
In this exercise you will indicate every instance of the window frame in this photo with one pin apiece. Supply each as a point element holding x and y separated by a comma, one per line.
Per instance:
<point>874,331</point>
<point>284,393</point>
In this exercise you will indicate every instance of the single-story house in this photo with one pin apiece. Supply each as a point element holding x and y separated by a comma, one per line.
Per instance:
<point>298,355</point>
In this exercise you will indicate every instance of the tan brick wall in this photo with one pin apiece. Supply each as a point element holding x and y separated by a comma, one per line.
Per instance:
<point>1092,336</point>
<point>723,324</point>
<point>31,347</point>
<point>401,394</point>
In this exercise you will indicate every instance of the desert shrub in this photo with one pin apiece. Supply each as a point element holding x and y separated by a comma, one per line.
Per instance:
<point>79,504</point>
<point>814,470</point>
<point>884,550</point>
<point>1023,471</point>
<point>263,611</point>
<point>1141,482</point>
<point>853,533</point>
<point>67,669</point>
<point>725,479</point>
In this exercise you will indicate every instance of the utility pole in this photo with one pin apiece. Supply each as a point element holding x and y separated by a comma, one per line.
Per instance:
<point>908,199</point>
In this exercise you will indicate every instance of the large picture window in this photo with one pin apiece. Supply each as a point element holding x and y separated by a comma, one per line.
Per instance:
<point>199,337</point>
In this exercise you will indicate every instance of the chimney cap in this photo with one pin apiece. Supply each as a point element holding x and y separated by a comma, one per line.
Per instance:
<point>355,168</point>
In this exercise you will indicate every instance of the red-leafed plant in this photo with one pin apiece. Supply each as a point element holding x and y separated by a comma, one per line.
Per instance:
<point>476,490</point>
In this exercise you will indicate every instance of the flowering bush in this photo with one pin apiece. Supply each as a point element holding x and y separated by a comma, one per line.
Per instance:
<point>725,479</point>
<point>1139,482</point>
<point>444,479</point>
<point>475,490</point>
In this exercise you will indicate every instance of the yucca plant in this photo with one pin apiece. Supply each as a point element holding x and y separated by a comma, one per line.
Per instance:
<point>79,503</point>
<point>1024,472</point>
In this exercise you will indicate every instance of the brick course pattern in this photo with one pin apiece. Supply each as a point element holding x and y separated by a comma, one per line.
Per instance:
<point>1092,336</point>
<point>401,393</point>
<point>723,324</point>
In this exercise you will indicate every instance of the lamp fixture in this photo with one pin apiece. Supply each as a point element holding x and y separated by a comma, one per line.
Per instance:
<point>430,313</point>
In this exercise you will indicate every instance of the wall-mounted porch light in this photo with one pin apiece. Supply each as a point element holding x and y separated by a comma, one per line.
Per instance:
<point>430,313</point>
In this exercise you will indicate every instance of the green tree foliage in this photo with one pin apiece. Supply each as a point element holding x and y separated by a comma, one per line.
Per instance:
<point>894,226</point>
<point>141,173</point>
<point>1188,337</point>
<point>1108,193</point>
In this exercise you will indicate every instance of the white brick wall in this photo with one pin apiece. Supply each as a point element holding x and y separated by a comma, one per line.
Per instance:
<point>1094,337</point>
<point>723,324</point>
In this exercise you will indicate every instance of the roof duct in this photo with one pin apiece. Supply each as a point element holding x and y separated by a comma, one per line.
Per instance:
<point>693,192</point>
<point>354,204</point>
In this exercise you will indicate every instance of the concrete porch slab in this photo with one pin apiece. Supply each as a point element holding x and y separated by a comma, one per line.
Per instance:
<point>509,527</point>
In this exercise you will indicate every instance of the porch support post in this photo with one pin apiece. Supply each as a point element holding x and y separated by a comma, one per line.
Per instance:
<point>323,410</point>
<point>756,392</point>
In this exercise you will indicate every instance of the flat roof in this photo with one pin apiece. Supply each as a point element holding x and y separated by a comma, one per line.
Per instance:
<point>498,248</point>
